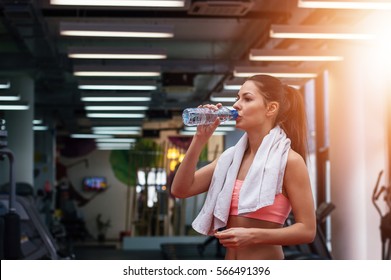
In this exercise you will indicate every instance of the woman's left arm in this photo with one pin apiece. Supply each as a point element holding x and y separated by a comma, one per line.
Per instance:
<point>298,188</point>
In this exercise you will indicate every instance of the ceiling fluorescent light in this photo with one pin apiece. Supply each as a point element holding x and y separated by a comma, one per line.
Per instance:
<point>88,71</point>
<point>119,132</point>
<point>40,127</point>
<point>218,129</point>
<point>116,115</point>
<point>121,3</point>
<point>115,30</point>
<point>115,140</point>
<point>90,136</point>
<point>117,85</point>
<point>232,87</point>
<point>318,32</point>
<point>5,84</point>
<point>293,55</point>
<point>115,108</point>
<point>37,122</point>
<point>107,128</point>
<point>282,72</point>
<point>114,98</point>
<point>9,97</point>
<point>115,53</point>
<point>191,133</point>
<point>236,84</point>
<point>350,4</point>
<point>14,106</point>
<point>113,146</point>
<point>222,99</point>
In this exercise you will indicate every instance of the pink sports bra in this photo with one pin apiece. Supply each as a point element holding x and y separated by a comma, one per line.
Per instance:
<point>277,213</point>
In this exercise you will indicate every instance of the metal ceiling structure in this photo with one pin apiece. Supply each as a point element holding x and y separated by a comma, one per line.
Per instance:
<point>210,39</point>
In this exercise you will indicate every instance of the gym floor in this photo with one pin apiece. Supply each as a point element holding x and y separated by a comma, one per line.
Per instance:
<point>112,251</point>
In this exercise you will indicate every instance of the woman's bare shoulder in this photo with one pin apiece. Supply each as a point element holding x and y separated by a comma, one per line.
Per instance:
<point>294,158</point>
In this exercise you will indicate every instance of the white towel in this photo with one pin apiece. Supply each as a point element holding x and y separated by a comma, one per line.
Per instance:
<point>263,181</point>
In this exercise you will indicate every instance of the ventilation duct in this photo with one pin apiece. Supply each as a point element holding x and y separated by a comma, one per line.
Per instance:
<point>220,8</point>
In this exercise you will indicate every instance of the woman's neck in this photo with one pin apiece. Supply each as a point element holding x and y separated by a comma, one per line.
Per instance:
<point>255,138</point>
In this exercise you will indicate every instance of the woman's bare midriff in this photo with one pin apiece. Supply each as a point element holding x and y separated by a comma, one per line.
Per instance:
<point>253,252</point>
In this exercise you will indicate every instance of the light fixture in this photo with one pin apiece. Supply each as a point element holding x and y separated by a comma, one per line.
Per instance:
<point>318,32</point>
<point>114,98</point>
<point>108,128</point>
<point>6,97</point>
<point>235,85</point>
<point>90,136</point>
<point>222,99</point>
<point>115,53</point>
<point>107,29</point>
<point>224,96</point>
<point>113,146</point>
<point>349,4</point>
<point>218,129</point>
<point>232,87</point>
<point>115,108</point>
<point>115,140</point>
<point>116,115</point>
<point>124,130</point>
<point>37,122</point>
<point>40,127</point>
<point>191,133</point>
<point>5,84</point>
<point>14,105</point>
<point>121,3</point>
<point>293,55</point>
<point>117,85</point>
<point>108,71</point>
<point>119,132</point>
<point>278,72</point>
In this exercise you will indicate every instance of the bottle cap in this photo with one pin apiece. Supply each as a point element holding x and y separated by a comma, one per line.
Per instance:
<point>234,114</point>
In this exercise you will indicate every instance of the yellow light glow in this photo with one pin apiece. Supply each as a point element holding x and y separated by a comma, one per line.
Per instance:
<point>172,153</point>
<point>173,164</point>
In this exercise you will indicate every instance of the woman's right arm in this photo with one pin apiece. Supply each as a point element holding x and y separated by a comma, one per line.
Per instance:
<point>189,181</point>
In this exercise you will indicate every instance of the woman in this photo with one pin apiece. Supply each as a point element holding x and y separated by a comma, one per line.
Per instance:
<point>253,186</point>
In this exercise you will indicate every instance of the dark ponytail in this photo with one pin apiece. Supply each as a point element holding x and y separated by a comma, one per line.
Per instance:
<point>292,119</point>
<point>291,116</point>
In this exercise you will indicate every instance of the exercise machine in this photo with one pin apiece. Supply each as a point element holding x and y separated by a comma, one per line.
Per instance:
<point>385,219</point>
<point>10,221</point>
<point>23,233</point>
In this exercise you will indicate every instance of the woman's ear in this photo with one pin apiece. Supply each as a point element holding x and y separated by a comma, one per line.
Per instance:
<point>272,108</point>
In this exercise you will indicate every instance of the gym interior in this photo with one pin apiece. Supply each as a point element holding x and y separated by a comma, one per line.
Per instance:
<point>68,197</point>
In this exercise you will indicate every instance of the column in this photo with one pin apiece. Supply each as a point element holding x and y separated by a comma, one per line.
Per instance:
<point>358,150</point>
<point>20,133</point>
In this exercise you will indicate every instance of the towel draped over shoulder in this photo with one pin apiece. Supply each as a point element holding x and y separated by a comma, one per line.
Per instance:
<point>263,181</point>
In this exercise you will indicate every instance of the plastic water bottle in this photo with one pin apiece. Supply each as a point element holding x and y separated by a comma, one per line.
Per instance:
<point>201,116</point>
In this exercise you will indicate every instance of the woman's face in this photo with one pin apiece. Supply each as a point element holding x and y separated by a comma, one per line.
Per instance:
<point>251,107</point>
